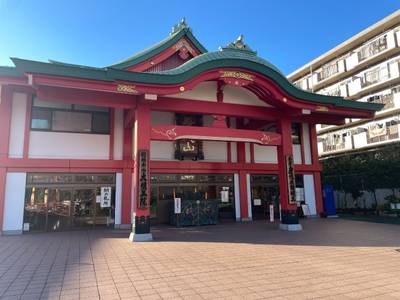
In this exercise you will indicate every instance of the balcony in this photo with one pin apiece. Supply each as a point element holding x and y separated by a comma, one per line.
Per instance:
<point>328,71</point>
<point>387,100</point>
<point>372,49</point>
<point>336,142</point>
<point>387,133</point>
<point>374,76</point>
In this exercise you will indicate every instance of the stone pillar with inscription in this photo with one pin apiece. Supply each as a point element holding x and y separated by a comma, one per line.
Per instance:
<point>287,184</point>
<point>141,181</point>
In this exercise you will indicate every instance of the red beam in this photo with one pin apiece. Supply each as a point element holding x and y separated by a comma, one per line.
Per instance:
<point>175,132</point>
<point>214,108</point>
<point>85,97</point>
<point>63,163</point>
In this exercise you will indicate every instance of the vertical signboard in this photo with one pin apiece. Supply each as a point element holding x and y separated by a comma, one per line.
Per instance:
<point>291,179</point>
<point>177,205</point>
<point>143,178</point>
<point>105,197</point>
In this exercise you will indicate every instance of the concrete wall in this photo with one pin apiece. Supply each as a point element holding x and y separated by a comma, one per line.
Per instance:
<point>14,203</point>
<point>309,193</point>
<point>118,133</point>
<point>265,154</point>
<point>118,199</point>
<point>65,145</point>
<point>17,128</point>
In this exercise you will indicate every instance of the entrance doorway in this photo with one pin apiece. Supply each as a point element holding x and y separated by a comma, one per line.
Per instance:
<point>65,201</point>
<point>166,187</point>
<point>264,192</point>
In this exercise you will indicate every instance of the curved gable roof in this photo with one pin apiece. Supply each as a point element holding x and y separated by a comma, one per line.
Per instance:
<point>160,47</point>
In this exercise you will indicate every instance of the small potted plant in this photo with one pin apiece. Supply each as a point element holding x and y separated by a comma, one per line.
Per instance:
<point>394,202</point>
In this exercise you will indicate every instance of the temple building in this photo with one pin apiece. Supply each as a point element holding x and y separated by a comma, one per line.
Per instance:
<point>172,135</point>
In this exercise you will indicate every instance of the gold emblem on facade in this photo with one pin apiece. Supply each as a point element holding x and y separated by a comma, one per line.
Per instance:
<point>126,88</point>
<point>322,108</point>
<point>237,74</point>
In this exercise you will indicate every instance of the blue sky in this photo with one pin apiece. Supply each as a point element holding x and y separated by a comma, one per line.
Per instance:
<point>288,33</point>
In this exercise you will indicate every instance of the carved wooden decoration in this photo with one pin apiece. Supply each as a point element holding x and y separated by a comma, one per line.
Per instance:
<point>188,148</point>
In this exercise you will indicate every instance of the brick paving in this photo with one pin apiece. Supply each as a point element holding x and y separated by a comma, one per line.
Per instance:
<point>334,259</point>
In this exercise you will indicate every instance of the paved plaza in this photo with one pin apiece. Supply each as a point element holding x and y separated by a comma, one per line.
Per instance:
<point>330,258</point>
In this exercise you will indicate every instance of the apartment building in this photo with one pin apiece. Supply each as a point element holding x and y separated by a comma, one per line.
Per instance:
<point>364,68</point>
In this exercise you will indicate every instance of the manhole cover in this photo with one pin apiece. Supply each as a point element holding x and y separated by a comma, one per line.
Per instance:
<point>398,250</point>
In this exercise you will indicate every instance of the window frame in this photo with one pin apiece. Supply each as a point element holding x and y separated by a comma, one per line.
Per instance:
<point>73,109</point>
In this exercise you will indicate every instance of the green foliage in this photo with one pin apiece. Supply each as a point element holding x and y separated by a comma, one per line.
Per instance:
<point>367,170</point>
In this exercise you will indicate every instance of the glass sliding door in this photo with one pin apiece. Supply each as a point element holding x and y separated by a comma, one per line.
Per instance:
<point>66,201</point>
<point>264,192</point>
<point>216,187</point>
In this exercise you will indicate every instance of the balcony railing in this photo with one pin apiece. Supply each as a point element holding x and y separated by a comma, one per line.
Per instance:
<point>374,76</point>
<point>372,48</point>
<point>333,147</point>
<point>328,71</point>
<point>387,100</point>
<point>388,133</point>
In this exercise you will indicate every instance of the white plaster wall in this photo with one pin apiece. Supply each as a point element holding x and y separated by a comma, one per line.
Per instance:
<point>297,154</point>
<point>238,95</point>
<point>307,144</point>
<point>118,198</point>
<point>249,200</point>
<point>206,91</point>
<point>162,118</point>
<point>162,150</point>
<point>118,133</point>
<point>17,128</point>
<point>215,151</point>
<point>237,195</point>
<point>265,154</point>
<point>234,152</point>
<point>64,145</point>
<point>14,202</point>
<point>247,152</point>
<point>309,193</point>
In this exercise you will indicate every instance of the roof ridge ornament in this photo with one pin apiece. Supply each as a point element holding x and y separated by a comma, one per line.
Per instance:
<point>238,44</point>
<point>178,27</point>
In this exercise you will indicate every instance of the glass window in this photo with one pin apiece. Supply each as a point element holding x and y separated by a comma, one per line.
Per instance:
<point>41,119</point>
<point>72,121</point>
<point>60,116</point>
<point>296,133</point>
<point>101,123</point>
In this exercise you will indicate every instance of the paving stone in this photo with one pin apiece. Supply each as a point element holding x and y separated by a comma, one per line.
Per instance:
<point>329,259</point>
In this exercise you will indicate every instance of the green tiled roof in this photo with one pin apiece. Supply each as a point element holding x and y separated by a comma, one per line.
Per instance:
<point>208,61</point>
<point>9,72</point>
<point>158,48</point>
<point>236,55</point>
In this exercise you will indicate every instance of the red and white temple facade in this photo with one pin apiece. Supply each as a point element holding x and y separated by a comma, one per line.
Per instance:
<point>164,122</point>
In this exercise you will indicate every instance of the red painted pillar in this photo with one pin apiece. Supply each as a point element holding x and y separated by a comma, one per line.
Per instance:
<point>289,210</point>
<point>141,152</point>
<point>5,119</point>
<point>317,175</point>
<point>126,205</point>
